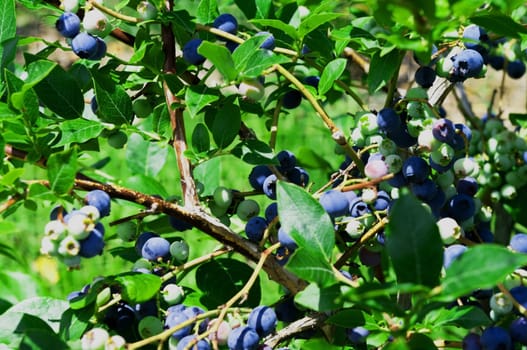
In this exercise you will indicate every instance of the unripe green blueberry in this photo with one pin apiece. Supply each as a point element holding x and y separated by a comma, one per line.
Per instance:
<point>512,280</point>
<point>508,192</point>
<point>222,197</point>
<point>225,219</point>
<point>368,124</point>
<point>500,303</point>
<point>142,108</point>
<point>69,246</point>
<point>117,139</point>
<point>72,262</point>
<point>223,331</point>
<point>443,67</point>
<point>247,209</point>
<point>55,230</point>
<point>415,126</point>
<point>116,342</point>
<point>495,196</point>
<point>427,141</point>
<point>386,147</point>
<point>449,230</point>
<point>373,139</point>
<point>468,224</point>
<point>503,162</point>
<point>142,263</point>
<point>445,179</point>
<point>49,246</point>
<point>103,297</point>
<point>443,155</point>
<point>216,210</point>
<point>251,89</point>
<point>94,339</point>
<point>96,23</point>
<point>494,180</point>
<point>70,5</point>
<point>354,228</point>
<point>179,250</point>
<point>173,294</point>
<point>369,195</point>
<point>150,326</point>
<point>146,10</point>
<point>357,138</point>
<point>450,191</point>
<point>127,231</point>
<point>416,93</point>
<point>466,166</point>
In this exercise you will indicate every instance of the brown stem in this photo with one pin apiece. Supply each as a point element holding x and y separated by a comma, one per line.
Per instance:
<point>304,324</point>
<point>177,122</point>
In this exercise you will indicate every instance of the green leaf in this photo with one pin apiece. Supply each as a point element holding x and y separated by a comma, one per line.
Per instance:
<point>7,28</point>
<point>224,123</point>
<point>262,60</point>
<point>332,72</point>
<point>310,226</point>
<point>47,309</point>
<point>6,113</point>
<point>420,341</point>
<point>243,52</point>
<point>322,299</point>
<point>314,21</point>
<point>480,266</point>
<point>145,157</point>
<point>10,253</point>
<point>220,57</point>
<point>14,324</point>
<point>263,8</point>
<point>499,24</point>
<point>231,275</point>
<point>207,11</point>
<point>38,71</point>
<point>248,7</point>
<point>518,119</point>
<point>199,96</point>
<point>208,173</point>
<point>74,323</point>
<point>17,286</point>
<point>137,288</point>
<point>146,184</point>
<point>35,339</point>
<point>254,152</point>
<point>9,178</point>
<point>277,24</point>
<point>382,68</point>
<point>62,168</point>
<point>79,131</point>
<point>115,106</point>
<point>415,246</point>
<point>461,316</point>
<point>200,138</point>
<point>61,93</point>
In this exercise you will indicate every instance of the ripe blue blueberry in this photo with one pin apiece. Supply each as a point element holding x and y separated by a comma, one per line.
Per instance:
<point>471,342</point>
<point>402,137</point>
<point>287,161</point>
<point>466,64</point>
<point>175,318</point>
<point>141,240</point>
<point>202,344</point>
<point>443,130</point>
<point>518,330</point>
<point>425,190</point>
<point>518,243</point>
<point>516,69</point>
<point>425,76</point>
<point>269,186</point>
<point>243,338</point>
<point>519,293</point>
<point>100,200</point>
<point>192,312</point>
<point>357,207</point>
<point>335,203</point>
<point>226,22</point>
<point>357,335</point>
<point>286,240</point>
<point>496,61</point>
<point>68,24</point>
<point>452,253</point>
<point>298,176</point>
<point>100,52</point>
<point>92,245</point>
<point>86,45</point>
<point>312,80</point>
<point>271,212</point>
<point>467,185</point>
<point>382,202</point>
<point>155,248</point>
<point>190,52</point>
<point>415,169</point>
<point>178,224</point>
<point>475,35</point>
<point>269,43</point>
<point>121,318</point>
<point>255,228</point>
<point>292,99</point>
<point>461,207</point>
<point>263,320</point>
<point>258,175</point>
<point>495,338</point>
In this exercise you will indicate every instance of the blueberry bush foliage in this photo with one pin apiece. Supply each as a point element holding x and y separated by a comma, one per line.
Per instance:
<point>269,174</point>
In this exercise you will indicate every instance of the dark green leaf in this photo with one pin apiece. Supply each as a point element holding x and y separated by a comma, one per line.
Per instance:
<point>79,131</point>
<point>137,288</point>
<point>420,341</point>
<point>481,266</point>
<point>221,57</point>
<point>231,275</point>
<point>207,11</point>
<point>7,28</point>
<point>315,20</point>
<point>518,119</point>
<point>199,96</point>
<point>415,246</point>
<point>310,226</point>
<point>499,24</point>
<point>14,324</point>
<point>322,299</point>
<point>332,72</point>
<point>347,318</point>
<point>462,316</point>
<point>277,24</point>
<point>145,157</point>
<point>48,309</point>
<point>74,323</point>
<point>248,7</point>
<point>200,138</point>
<point>62,168</point>
<point>254,152</point>
<point>224,124</point>
<point>115,106</point>
<point>382,68</point>
<point>61,93</point>
<point>35,339</point>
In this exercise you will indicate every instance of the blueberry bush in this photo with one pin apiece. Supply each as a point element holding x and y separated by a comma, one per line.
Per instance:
<point>256,174</point>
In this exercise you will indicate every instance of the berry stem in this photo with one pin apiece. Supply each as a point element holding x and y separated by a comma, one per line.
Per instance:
<point>195,262</point>
<point>113,13</point>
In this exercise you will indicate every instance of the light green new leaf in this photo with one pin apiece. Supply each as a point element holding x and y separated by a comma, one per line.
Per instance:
<point>79,131</point>
<point>220,57</point>
<point>62,168</point>
<point>332,72</point>
<point>145,157</point>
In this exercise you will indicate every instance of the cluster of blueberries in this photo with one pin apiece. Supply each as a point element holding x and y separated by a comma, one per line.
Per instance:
<point>84,44</point>
<point>70,236</point>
